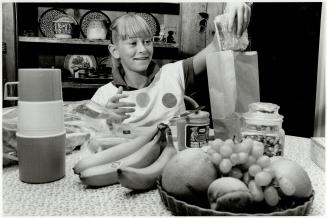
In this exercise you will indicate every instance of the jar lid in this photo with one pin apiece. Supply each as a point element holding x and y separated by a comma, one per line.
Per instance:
<point>264,107</point>
<point>262,112</point>
<point>199,115</point>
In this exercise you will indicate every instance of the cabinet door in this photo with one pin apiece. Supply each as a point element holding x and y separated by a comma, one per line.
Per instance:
<point>9,69</point>
<point>193,39</point>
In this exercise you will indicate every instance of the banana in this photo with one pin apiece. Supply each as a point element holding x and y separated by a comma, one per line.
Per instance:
<point>114,153</point>
<point>146,155</point>
<point>145,178</point>
<point>99,144</point>
<point>106,174</point>
<point>102,175</point>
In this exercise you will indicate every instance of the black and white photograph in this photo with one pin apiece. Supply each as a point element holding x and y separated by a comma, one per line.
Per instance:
<point>163,108</point>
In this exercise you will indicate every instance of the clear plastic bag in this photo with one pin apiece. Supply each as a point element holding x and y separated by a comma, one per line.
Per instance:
<point>229,40</point>
<point>100,121</point>
<point>84,122</point>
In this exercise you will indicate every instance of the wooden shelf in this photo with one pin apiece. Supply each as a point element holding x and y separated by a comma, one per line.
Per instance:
<point>75,85</point>
<point>146,7</point>
<point>76,41</point>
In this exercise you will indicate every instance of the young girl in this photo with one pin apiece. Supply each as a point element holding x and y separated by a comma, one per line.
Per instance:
<point>142,93</point>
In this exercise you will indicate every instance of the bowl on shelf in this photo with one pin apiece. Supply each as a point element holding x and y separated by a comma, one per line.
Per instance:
<point>63,27</point>
<point>94,25</point>
<point>79,61</point>
<point>97,29</point>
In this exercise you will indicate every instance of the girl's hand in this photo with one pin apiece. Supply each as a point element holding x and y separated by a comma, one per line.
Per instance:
<point>120,108</point>
<point>240,11</point>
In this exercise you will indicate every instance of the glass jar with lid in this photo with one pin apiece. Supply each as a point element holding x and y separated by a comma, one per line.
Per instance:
<point>193,130</point>
<point>263,123</point>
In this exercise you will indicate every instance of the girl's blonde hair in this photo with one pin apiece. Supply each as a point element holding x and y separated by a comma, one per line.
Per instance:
<point>128,26</point>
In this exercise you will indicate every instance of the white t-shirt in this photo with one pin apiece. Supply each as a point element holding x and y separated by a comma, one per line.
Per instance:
<point>158,102</point>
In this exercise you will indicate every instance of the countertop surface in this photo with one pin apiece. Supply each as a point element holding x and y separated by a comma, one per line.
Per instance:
<point>69,197</point>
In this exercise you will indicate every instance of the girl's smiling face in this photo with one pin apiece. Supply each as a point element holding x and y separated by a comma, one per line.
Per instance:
<point>132,45</point>
<point>135,53</point>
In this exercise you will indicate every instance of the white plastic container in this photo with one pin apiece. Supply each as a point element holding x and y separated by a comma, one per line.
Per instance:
<point>40,133</point>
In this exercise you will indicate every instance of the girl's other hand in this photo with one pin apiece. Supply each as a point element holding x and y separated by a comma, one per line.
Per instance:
<point>121,108</point>
<point>240,11</point>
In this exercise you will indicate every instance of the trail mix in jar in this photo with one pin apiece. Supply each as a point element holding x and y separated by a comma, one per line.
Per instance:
<point>263,123</point>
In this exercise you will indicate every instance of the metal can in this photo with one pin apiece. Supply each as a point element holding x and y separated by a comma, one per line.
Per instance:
<point>193,130</point>
<point>263,123</point>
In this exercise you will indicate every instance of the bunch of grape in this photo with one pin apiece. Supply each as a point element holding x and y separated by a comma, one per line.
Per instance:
<point>246,161</point>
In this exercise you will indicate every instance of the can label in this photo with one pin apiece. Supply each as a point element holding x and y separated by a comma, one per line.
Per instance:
<point>196,136</point>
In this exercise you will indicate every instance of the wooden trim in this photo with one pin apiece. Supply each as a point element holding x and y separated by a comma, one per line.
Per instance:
<point>319,126</point>
<point>83,41</point>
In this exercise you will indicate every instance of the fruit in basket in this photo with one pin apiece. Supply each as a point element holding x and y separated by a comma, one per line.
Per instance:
<point>249,181</point>
<point>229,194</point>
<point>292,179</point>
<point>189,174</point>
<point>263,175</point>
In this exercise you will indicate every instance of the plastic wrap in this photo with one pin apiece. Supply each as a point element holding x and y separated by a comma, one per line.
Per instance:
<point>84,125</point>
<point>229,39</point>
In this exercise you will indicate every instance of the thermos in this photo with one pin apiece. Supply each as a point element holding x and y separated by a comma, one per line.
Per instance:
<point>40,129</point>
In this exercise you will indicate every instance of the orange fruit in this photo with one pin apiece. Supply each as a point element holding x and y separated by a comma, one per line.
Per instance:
<point>188,174</point>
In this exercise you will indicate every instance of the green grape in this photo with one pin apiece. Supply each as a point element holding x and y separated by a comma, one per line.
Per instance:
<point>269,170</point>
<point>225,165</point>
<point>263,161</point>
<point>251,160</point>
<point>216,144</point>
<point>271,196</point>
<point>226,151</point>
<point>211,151</point>
<point>256,191</point>
<point>244,146</point>
<point>229,142</point>
<point>234,158</point>
<point>246,178</point>
<point>243,157</point>
<point>236,173</point>
<point>263,178</point>
<point>248,144</point>
<point>254,169</point>
<point>257,149</point>
<point>216,158</point>
<point>218,140</point>
<point>236,147</point>
<point>286,186</point>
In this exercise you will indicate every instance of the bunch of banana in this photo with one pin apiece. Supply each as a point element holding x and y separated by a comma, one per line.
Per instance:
<point>145,178</point>
<point>114,153</point>
<point>106,174</point>
<point>100,169</point>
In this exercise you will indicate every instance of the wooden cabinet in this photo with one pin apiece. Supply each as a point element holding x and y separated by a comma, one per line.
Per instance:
<point>9,67</point>
<point>33,50</point>
<point>30,49</point>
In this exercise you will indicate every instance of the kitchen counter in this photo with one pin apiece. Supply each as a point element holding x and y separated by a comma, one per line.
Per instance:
<point>69,197</point>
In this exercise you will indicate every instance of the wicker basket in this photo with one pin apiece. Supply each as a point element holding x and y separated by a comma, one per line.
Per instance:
<point>181,208</point>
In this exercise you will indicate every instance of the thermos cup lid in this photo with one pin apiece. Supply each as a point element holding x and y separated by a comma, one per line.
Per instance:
<point>39,84</point>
